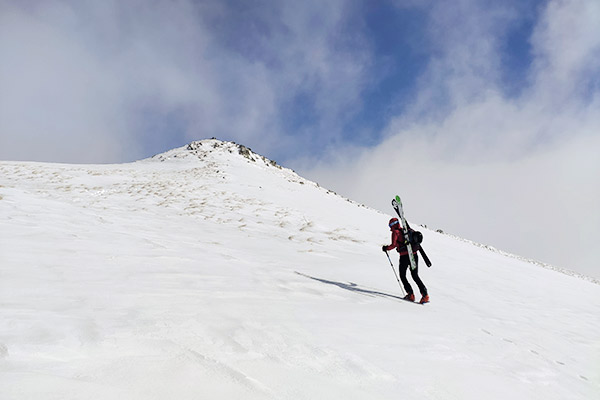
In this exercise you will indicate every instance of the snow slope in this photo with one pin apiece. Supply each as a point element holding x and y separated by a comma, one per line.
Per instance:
<point>208,272</point>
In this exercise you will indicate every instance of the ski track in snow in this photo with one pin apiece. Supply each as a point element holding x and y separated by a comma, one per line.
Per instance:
<point>211,272</point>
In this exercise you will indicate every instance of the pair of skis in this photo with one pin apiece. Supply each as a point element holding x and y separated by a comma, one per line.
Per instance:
<point>397,204</point>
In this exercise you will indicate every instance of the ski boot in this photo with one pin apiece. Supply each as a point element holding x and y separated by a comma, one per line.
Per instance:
<point>409,297</point>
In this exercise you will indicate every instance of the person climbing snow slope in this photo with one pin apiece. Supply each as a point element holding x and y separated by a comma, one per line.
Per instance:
<point>398,243</point>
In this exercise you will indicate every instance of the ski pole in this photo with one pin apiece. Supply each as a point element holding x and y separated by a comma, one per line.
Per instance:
<point>398,280</point>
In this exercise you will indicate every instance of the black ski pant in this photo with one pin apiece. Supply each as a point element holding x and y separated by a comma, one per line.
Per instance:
<point>404,265</point>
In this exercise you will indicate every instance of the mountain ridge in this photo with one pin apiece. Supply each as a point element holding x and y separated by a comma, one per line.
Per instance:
<point>202,148</point>
<point>205,149</point>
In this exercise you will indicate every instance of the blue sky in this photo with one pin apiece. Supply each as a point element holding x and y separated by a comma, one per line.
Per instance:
<point>480,113</point>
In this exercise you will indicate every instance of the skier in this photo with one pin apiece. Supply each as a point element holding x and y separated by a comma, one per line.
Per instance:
<point>399,244</point>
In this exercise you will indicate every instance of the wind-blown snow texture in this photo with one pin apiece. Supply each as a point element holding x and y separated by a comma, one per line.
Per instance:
<point>210,272</point>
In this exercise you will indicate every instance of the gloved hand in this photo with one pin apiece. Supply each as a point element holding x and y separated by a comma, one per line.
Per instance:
<point>384,248</point>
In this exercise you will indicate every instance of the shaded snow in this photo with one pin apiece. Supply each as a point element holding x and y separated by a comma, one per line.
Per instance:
<point>211,272</point>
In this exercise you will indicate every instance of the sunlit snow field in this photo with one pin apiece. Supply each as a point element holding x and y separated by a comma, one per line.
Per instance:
<point>209,272</point>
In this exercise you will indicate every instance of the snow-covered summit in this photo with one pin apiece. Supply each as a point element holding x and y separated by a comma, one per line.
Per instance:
<point>202,149</point>
<point>228,159</point>
<point>216,274</point>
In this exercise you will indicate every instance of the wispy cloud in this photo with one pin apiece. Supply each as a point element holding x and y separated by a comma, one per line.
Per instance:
<point>518,172</point>
<point>102,81</point>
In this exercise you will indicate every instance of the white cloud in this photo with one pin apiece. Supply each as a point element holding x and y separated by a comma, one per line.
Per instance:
<point>518,173</point>
<point>567,46</point>
<point>81,79</point>
<point>50,86</point>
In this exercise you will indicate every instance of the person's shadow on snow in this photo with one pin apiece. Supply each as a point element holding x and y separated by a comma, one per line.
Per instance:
<point>353,287</point>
